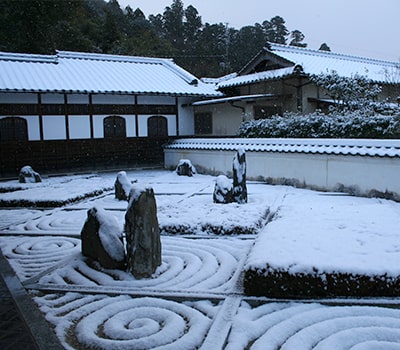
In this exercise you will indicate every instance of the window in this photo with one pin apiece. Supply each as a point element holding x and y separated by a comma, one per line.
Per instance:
<point>13,129</point>
<point>114,126</point>
<point>263,112</point>
<point>157,126</point>
<point>203,123</point>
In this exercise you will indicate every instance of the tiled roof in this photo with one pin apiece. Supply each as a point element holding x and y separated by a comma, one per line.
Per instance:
<point>97,73</point>
<point>318,61</point>
<point>372,148</point>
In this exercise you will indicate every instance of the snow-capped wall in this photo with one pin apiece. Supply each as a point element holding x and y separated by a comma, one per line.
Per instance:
<point>361,167</point>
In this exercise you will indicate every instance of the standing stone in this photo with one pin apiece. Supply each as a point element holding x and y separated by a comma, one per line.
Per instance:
<point>122,186</point>
<point>102,241</point>
<point>27,174</point>
<point>185,168</point>
<point>239,177</point>
<point>143,241</point>
<point>223,190</point>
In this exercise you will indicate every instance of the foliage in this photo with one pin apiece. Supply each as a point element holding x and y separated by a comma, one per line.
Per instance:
<point>318,125</point>
<point>354,93</point>
<point>43,26</point>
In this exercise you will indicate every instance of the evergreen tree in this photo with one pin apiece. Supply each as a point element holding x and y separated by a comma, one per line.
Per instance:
<point>173,27</point>
<point>324,47</point>
<point>297,38</point>
<point>275,30</point>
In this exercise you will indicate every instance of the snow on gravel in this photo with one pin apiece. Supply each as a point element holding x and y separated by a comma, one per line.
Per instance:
<point>195,298</point>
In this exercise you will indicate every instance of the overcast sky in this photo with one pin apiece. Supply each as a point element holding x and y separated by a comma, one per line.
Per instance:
<point>367,28</point>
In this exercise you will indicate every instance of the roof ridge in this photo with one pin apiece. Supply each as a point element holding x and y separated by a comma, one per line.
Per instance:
<point>305,50</point>
<point>110,57</point>
<point>27,57</point>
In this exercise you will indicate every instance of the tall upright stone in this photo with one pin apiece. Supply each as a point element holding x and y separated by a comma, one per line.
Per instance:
<point>239,177</point>
<point>143,241</point>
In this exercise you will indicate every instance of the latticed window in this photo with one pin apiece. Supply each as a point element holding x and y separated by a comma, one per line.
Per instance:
<point>13,129</point>
<point>157,126</point>
<point>114,126</point>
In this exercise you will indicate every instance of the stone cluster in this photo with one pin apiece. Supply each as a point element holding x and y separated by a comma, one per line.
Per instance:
<point>102,237</point>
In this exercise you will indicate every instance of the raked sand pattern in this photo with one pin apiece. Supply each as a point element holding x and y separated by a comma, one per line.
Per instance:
<point>194,301</point>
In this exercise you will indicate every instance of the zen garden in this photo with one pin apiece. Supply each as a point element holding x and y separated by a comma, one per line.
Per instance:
<point>177,185</point>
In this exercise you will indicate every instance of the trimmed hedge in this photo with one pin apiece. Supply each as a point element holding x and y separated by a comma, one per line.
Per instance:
<point>318,125</point>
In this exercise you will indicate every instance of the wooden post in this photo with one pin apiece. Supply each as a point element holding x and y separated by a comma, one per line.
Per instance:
<point>66,116</point>
<point>177,116</point>
<point>40,113</point>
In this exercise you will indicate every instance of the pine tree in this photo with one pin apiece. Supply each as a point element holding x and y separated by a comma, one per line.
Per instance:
<point>297,38</point>
<point>324,47</point>
<point>275,30</point>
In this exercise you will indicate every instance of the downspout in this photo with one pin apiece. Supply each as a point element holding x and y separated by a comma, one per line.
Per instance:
<point>241,108</point>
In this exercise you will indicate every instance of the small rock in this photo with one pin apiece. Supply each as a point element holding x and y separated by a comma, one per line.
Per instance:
<point>223,190</point>
<point>185,168</point>
<point>122,186</point>
<point>28,175</point>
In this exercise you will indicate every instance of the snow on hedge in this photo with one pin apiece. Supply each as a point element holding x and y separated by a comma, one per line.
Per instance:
<point>317,125</point>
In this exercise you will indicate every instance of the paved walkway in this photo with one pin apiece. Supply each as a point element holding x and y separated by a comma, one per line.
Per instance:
<point>22,326</point>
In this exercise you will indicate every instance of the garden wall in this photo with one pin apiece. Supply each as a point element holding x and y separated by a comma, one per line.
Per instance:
<point>360,167</point>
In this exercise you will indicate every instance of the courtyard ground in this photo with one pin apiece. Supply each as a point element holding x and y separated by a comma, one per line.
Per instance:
<point>196,298</point>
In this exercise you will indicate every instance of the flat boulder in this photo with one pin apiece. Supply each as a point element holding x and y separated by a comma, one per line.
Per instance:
<point>102,239</point>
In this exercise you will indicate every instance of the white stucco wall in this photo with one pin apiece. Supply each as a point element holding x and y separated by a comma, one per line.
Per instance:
<point>328,172</point>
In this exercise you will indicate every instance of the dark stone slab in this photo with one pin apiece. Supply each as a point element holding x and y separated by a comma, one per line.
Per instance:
<point>142,233</point>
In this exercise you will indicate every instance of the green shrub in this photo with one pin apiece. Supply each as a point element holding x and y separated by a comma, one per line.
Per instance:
<point>317,125</point>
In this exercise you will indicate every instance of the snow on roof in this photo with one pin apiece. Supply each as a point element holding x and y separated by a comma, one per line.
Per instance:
<point>97,73</point>
<point>256,77</point>
<point>233,99</point>
<point>380,148</point>
<point>318,61</point>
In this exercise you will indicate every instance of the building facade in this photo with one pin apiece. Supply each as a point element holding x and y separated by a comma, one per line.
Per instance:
<point>78,110</point>
<point>277,80</point>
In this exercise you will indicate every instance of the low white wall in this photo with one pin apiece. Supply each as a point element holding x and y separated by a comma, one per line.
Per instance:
<point>357,174</point>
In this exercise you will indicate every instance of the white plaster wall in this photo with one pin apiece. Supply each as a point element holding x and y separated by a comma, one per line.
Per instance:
<point>186,116</point>
<point>359,174</point>
<point>79,126</point>
<point>54,127</point>
<point>33,127</point>
<point>113,99</point>
<point>156,100</point>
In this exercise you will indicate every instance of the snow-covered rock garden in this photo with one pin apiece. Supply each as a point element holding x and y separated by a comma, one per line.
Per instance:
<point>227,272</point>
